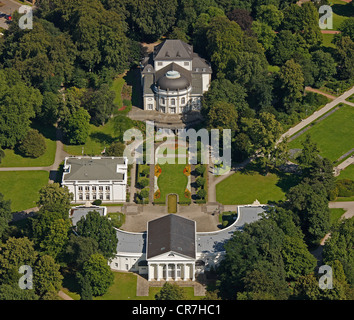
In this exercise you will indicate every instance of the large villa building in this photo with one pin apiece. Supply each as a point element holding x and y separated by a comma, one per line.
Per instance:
<point>174,78</point>
<point>91,178</point>
<point>172,249</point>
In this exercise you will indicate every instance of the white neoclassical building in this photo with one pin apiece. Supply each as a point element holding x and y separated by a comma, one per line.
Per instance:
<point>174,78</point>
<point>172,250</point>
<point>91,178</point>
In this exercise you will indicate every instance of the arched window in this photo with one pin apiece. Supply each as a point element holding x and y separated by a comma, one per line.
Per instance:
<point>183,100</point>
<point>162,100</point>
<point>173,102</point>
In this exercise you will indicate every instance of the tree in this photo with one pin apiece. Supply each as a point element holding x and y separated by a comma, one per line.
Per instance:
<point>55,238</point>
<point>85,288</point>
<point>292,84</point>
<point>5,214</point>
<point>98,274</point>
<point>18,103</point>
<point>2,154</point>
<point>200,169</point>
<point>200,181</point>
<point>46,276</point>
<point>309,153</point>
<point>298,261</point>
<point>54,198</point>
<point>14,292</point>
<point>99,104</point>
<point>324,67</point>
<point>33,145</point>
<point>224,39</point>
<point>309,201</point>
<point>99,228</point>
<point>15,253</point>
<point>49,112</point>
<point>79,250</point>
<point>170,291</point>
<point>242,17</point>
<point>270,15</point>
<point>347,28</point>
<point>77,127</point>
<point>227,91</point>
<point>265,34</point>
<point>223,115</point>
<point>340,247</point>
<point>345,54</point>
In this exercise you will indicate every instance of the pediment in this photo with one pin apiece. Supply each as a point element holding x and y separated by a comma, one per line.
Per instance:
<point>171,256</point>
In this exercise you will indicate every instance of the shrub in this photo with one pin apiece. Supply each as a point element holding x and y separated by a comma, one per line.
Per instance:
<point>144,182</point>
<point>33,145</point>
<point>145,193</point>
<point>200,181</point>
<point>146,172</point>
<point>201,194</point>
<point>200,169</point>
<point>345,187</point>
<point>116,149</point>
<point>97,202</point>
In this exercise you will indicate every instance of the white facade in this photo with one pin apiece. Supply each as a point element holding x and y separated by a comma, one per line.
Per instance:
<point>89,186</point>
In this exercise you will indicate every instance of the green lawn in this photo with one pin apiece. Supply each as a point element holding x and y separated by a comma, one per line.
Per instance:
<point>245,187</point>
<point>99,138</point>
<point>172,180</point>
<point>14,159</point>
<point>335,214</point>
<point>22,187</point>
<point>124,288</point>
<point>117,86</point>
<point>334,135</point>
<point>347,173</point>
<point>341,12</point>
<point>327,40</point>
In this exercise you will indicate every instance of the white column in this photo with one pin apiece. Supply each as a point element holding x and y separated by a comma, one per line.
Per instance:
<point>166,266</point>
<point>193,271</point>
<point>158,272</point>
<point>184,271</point>
<point>151,272</point>
<point>175,271</point>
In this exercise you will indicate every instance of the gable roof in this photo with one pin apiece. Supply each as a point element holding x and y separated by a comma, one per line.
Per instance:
<point>171,233</point>
<point>173,49</point>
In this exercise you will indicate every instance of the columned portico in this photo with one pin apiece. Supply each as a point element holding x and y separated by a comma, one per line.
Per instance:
<point>171,271</point>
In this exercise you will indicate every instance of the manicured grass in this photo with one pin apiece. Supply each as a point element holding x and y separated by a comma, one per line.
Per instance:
<point>351,98</point>
<point>117,86</point>
<point>124,288</point>
<point>171,180</point>
<point>14,159</point>
<point>341,12</point>
<point>335,214</point>
<point>21,187</point>
<point>347,173</point>
<point>327,40</point>
<point>245,187</point>
<point>172,203</point>
<point>334,135</point>
<point>99,138</point>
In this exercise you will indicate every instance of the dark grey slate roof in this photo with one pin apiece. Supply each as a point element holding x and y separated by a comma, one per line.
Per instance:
<point>173,49</point>
<point>197,84</point>
<point>165,83</point>
<point>104,168</point>
<point>148,84</point>
<point>77,213</point>
<point>171,233</point>
<point>130,242</point>
<point>214,241</point>
<point>173,66</point>
<point>200,65</point>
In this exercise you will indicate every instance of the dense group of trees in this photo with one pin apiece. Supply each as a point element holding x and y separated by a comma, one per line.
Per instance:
<point>46,242</point>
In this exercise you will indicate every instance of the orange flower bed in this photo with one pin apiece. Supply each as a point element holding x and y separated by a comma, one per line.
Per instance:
<point>158,171</point>
<point>187,170</point>
<point>187,194</point>
<point>157,194</point>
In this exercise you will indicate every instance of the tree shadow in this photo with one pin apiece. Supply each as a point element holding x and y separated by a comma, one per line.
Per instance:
<point>346,10</point>
<point>102,138</point>
<point>287,181</point>
<point>132,78</point>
